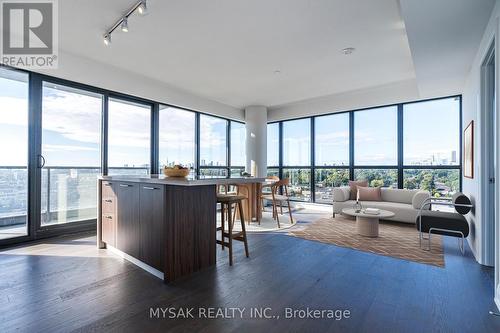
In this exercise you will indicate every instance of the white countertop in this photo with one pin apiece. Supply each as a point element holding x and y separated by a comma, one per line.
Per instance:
<point>188,181</point>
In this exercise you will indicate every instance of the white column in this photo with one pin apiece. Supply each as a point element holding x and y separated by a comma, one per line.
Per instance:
<point>256,140</point>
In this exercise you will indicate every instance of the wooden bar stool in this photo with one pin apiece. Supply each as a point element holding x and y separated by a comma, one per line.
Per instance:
<point>226,203</point>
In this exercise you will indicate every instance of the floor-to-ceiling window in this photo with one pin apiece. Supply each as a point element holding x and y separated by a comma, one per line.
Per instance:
<point>376,146</point>
<point>273,149</point>
<point>177,135</point>
<point>71,139</point>
<point>59,136</point>
<point>408,145</point>
<point>213,146</point>
<point>431,146</point>
<point>129,137</point>
<point>13,154</point>
<point>297,157</point>
<point>238,148</point>
<point>331,155</point>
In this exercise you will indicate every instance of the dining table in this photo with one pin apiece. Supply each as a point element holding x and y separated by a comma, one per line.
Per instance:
<point>252,207</point>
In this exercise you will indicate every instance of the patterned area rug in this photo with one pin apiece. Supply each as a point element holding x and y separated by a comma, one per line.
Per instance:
<point>396,240</point>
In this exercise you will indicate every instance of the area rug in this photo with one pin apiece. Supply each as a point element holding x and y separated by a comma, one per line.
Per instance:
<point>396,240</point>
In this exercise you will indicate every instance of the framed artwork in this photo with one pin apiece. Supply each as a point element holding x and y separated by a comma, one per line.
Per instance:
<point>468,167</point>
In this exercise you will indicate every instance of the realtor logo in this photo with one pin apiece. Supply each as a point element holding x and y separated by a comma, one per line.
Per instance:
<point>29,33</point>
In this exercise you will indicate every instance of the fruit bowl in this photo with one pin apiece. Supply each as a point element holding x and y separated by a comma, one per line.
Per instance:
<point>172,172</point>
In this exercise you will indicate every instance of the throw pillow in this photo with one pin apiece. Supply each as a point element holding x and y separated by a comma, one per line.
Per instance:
<point>370,193</point>
<point>354,190</point>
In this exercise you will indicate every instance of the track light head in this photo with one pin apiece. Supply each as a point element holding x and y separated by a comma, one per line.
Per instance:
<point>124,25</point>
<point>139,7</point>
<point>143,8</point>
<point>107,39</point>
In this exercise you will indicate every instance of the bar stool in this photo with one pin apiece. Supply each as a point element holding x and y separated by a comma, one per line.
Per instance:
<point>234,189</point>
<point>227,202</point>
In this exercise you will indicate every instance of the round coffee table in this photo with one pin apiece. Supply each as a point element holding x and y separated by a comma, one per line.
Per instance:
<point>367,224</point>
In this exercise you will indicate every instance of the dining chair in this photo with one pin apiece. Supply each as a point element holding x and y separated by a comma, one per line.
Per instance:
<point>268,185</point>
<point>275,197</point>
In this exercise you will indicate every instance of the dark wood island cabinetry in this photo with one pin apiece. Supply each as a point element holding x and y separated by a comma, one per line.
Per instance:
<point>166,226</point>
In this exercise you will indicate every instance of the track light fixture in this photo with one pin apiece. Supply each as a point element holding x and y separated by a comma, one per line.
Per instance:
<point>107,40</point>
<point>124,26</point>
<point>141,7</point>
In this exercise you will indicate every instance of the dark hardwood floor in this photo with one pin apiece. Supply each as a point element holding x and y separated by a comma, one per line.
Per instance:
<point>67,284</point>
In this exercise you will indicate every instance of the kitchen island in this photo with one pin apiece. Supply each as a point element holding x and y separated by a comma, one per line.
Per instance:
<point>165,225</point>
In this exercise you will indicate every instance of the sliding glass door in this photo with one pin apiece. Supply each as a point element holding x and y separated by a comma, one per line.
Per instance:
<point>13,154</point>
<point>70,154</point>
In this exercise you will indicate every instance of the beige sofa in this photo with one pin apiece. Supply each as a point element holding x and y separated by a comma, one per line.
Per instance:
<point>405,204</point>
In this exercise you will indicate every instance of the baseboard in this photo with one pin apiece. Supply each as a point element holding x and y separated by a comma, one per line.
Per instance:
<point>475,254</point>
<point>137,262</point>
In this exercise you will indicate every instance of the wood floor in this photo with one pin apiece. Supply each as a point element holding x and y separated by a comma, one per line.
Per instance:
<point>66,284</point>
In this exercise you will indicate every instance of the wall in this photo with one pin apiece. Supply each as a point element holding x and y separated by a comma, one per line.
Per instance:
<point>397,92</point>
<point>472,111</point>
<point>82,70</point>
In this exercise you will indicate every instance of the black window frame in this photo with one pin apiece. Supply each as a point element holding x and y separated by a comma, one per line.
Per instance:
<point>399,167</point>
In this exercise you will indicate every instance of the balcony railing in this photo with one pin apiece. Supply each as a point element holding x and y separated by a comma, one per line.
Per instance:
<point>68,193</point>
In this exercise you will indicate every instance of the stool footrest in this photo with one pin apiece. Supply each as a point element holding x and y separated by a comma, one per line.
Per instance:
<point>222,243</point>
<point>236,235</point>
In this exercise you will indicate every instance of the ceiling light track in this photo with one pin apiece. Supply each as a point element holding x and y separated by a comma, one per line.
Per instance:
<point>140,7</point>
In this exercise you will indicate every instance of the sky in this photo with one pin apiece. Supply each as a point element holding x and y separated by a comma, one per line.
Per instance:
<point>430,129</point>
<point>212,140</point>
<point>273,144</point>
<point>238,144</point>
<point>332,139</point>
<point>375,137</point>
<point>71,126</point>
<point>129,127</point>
<point>13,121</point>
<point>177,136</point>
<point>296,142</point>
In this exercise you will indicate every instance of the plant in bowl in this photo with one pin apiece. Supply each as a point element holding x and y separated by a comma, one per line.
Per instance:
<point>176,171</point>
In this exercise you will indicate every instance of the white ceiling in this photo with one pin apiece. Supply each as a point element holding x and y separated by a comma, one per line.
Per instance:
<point>228,50</point>
<point>444,37</point>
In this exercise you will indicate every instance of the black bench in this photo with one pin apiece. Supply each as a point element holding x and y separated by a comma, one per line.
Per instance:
<point>451,224</point>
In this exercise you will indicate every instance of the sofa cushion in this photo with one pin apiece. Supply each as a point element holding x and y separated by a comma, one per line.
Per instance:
<point>443,220</point>
<point>369,193</point>
<point>353,185</point>
<point>419,198</point>
<point>402,211</point>
<point>341,193</point>
<point>398,195</point>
